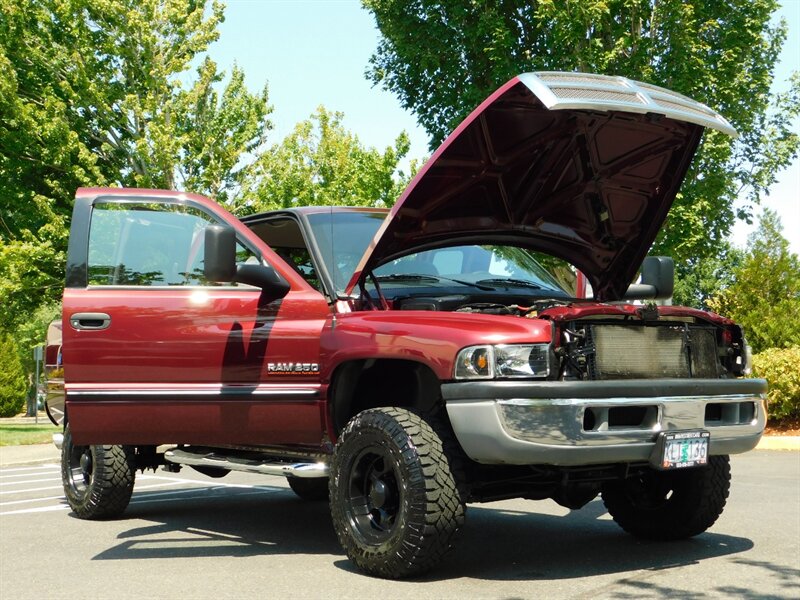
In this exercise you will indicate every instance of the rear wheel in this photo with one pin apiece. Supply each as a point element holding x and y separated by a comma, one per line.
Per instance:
<point>312,489</point>
<point>670,505</point>
<point>98,480</point>
<point>394,500</point>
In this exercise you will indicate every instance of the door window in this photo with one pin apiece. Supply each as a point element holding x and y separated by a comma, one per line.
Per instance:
<point>149,244</point>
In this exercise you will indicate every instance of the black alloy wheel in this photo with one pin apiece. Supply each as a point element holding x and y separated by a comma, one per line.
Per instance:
<point>98,480</point>
<point>395,502</point>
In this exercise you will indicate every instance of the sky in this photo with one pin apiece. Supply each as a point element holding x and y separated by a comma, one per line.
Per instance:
<point>315,52</point>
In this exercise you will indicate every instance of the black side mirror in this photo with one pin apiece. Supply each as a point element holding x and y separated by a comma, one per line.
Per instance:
<point>219,264</point>
<point>658,280</point>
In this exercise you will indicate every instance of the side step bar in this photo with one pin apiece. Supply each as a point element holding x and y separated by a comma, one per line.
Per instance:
<point>249,465</point>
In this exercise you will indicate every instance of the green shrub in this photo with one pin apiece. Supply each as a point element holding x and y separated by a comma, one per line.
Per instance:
<point>12,378</point>
<point>781,368</point>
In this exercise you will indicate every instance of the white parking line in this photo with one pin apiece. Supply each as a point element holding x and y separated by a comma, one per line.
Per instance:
<point>199,489</point>
<point>169,493</point>
<point>218,484</point>
<point>29,500</point>
<point>36,510</point>
<point>57,487</point>
<point>36,474</point>
<point>61,507</point>
<point>6,484</point>
<point>39,489</point>
<point>34,468</point>
<point>256,491</point>
<point>154,485</point>
<point>238,495</point>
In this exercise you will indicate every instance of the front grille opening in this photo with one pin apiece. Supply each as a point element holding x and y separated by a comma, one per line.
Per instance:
<point>670,350</point>
<point>730,413</point>
<point>626,416</point>
<point>608,418</point>
<point>589,420</point>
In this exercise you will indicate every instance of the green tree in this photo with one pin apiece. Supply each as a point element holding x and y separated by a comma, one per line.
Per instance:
<point>443,57</point>
<point>100,92</point>
<point>321,163</point>
<point>46,150</point>
<point>33,332</point>
<point>219,133</point>
<point>12,378</point>
<point>765,295</point>
<point>698,280</point>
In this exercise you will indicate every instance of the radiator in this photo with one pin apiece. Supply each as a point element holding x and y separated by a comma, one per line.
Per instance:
<point>634,351</point>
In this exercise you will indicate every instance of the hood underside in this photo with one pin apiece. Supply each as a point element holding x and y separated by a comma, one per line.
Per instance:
<point>581,167</point>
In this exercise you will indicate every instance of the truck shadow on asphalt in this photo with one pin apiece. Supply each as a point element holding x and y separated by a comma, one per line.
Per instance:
<point>506,545</point>
<point>496,543</point>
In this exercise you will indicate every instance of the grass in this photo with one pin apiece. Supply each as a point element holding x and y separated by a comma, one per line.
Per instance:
<point>13,434</point>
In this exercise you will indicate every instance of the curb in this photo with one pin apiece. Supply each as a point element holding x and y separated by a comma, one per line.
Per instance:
<point>32,454</point>
<point>779,442</point>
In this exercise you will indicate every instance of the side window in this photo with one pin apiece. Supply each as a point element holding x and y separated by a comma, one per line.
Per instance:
<point>283,235</point>
<point>149,244</point>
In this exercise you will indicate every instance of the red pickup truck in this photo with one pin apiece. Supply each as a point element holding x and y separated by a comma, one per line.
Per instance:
<point>404,364</point>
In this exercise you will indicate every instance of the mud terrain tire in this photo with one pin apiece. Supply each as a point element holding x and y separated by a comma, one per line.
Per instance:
<point>670,505</point>
<point>98,480</point>
<point>394,500</point>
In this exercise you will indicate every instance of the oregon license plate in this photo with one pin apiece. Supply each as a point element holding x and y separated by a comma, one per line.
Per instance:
<point>681,449</point>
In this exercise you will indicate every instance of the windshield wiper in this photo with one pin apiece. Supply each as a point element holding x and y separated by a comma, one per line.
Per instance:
<point>407,277</point>
<point>512,283</point>
<point>415,277</point>
<point>478,285</point>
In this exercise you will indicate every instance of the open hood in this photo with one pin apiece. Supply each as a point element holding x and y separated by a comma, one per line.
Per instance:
<point>581,167</point>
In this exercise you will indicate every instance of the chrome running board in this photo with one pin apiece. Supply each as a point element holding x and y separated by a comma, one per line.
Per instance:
<point>248,465</point>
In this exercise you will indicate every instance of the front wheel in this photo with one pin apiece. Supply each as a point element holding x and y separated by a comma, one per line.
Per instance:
<point>670,505</point>
<point>98,480</point>
<point>394,500</point>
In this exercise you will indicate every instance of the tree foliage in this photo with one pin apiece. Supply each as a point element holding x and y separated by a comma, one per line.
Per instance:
<point>12,378</point>
<point>765,295</point>
<point>322,163</point>
<point>443,57</point>
<point>33,332</point>
<point>700,279</point>
<point>100,92</point>
<point>779,367</point>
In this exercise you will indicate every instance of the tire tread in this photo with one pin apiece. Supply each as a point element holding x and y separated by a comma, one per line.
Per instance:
<point>438,503</point>
<point>114,475</point>
<point>693,509</point>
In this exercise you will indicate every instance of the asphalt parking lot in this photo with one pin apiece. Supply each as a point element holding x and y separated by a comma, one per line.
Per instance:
<point>247,536</point>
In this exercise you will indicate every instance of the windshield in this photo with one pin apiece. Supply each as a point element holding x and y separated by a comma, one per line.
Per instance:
<point>487,267</point>
<point>342,238</point>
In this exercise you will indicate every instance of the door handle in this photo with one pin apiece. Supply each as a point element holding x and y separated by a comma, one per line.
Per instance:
<point>93,321</point>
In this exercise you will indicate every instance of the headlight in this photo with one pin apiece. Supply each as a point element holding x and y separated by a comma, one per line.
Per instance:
<point>507,360</point>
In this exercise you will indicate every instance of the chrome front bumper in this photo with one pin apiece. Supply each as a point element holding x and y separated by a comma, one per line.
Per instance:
<point>600,422</point>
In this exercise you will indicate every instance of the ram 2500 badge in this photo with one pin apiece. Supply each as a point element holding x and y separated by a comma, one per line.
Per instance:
<point>404,364</point>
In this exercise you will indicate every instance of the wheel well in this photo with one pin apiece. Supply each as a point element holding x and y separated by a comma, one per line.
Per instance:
<point>363,384</point>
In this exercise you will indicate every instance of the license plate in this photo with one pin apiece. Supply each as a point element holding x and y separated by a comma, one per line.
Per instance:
<point>681,449</point>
